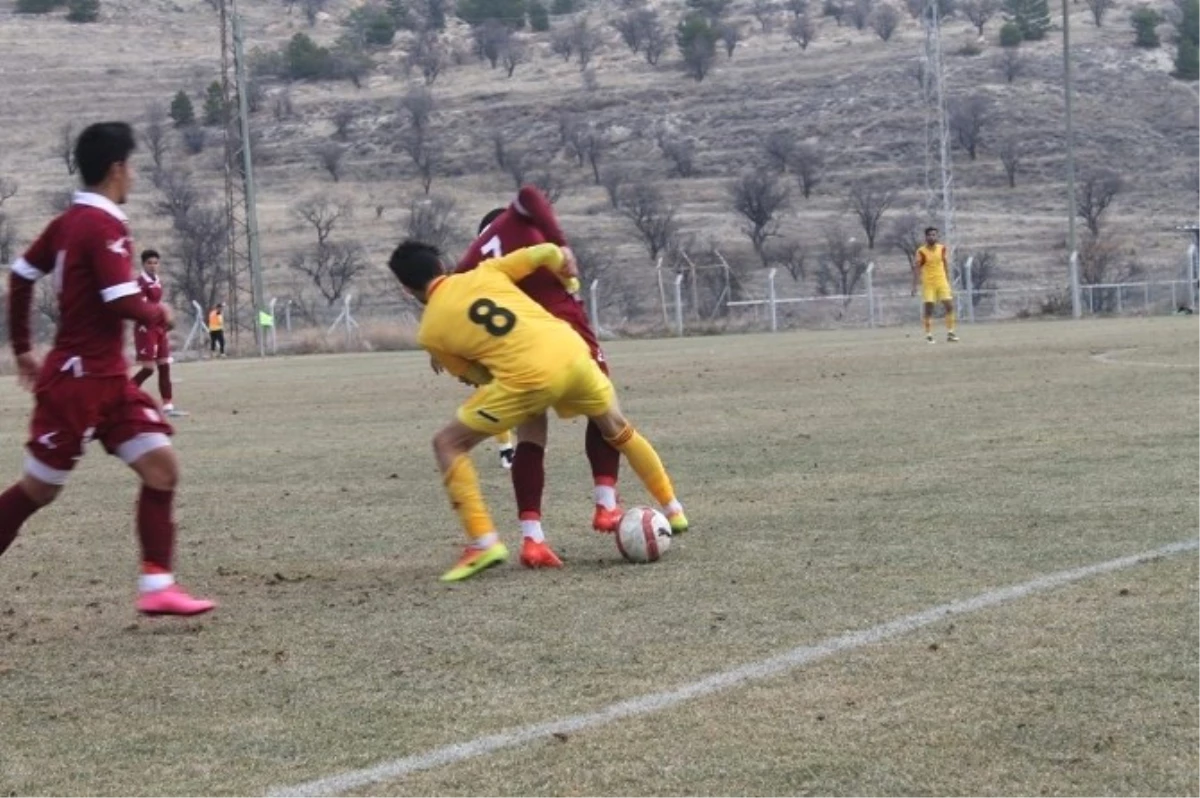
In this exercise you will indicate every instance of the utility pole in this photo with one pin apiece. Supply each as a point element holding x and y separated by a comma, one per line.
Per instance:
<point>1068,90</point>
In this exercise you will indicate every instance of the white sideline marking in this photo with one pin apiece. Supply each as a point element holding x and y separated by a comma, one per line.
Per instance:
<point>1107,359</point>
<point>754,671</point>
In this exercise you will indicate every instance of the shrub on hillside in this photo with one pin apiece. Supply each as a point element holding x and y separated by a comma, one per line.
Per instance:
<point>83,10</point>
<point>1145,25</point>
<point>1010,35</point>
<point>38,6</point>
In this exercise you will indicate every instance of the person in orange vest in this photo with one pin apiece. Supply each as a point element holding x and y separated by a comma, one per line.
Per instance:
<point>216,329</point>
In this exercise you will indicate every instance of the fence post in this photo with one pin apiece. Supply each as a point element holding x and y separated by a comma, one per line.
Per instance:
<point>1146,296</point>
<point>871,294</point>
<point>1076,305</point>
<point>995,303</point>
<point>771,299</point>
<point>1119,303</point>
<point>1174,306</point>
<point>1193,276</point>
<point>287,315</point>
<point>970,284</point>
<point>274,337</point>
<point>662,292</point>
<point>197,325</point>
<point>594,303</point>
<point>679,304</point>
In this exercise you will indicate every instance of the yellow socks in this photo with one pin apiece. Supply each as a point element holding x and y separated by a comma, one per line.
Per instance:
<point>950,321</point>
<point>646,464</point>
<point>462,485</point>
<point>504,439</point>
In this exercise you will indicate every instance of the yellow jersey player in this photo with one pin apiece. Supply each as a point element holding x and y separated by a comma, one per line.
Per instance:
<point>488,332</point>
<point>931,268</point>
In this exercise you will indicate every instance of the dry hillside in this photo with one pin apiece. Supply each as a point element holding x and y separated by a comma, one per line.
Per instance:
<point>852,95</point>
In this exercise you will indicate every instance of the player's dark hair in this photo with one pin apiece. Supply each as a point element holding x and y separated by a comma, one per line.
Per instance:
<point>489,217</point>
<point>415,264</point>
<point>147,254</point>
<point>929,230</point>
<point>100,146</point>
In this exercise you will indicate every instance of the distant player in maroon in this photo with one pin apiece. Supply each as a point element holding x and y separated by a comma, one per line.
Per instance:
<point>152,345</point>
<point>530,220</point>
<point>82,391</point>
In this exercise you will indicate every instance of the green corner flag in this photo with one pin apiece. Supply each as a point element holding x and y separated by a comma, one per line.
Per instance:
<point>265,319</point>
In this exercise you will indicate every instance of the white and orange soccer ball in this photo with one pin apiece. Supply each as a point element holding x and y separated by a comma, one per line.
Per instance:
<point>644,534</point>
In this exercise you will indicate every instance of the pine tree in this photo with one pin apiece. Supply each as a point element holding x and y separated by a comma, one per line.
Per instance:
<point>1031,16</point>
<point>83,10</point>
<point>214,104</point>
<point>182,112</point>
<point>1187,46</point>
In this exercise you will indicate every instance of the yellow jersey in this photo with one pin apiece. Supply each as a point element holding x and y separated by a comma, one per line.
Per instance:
<point>481,319</point>
<point>931,262</point>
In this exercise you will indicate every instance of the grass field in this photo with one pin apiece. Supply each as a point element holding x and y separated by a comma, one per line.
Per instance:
<point>835,481</point>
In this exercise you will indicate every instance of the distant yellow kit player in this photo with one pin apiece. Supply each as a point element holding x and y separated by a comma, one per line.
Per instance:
<point>931,268</point>
<point>488,332</point>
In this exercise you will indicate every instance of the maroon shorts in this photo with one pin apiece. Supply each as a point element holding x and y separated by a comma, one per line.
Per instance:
<point>575,315</point>
<point>70,411</point>
<point>152,344</point>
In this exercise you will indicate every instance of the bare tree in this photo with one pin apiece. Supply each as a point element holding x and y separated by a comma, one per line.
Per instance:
<point>195,138</point>
<point>808,165</point>
<point>562,42</point>
<point>983,272</point>
<point>842,265</point>
<point>586,41</point>
<point>551,184</point>
<point>884,21</point>
<point>779,148</point>
<point>631,28</point>
<point>154,134</point>
<point>1097,190</point>
<point>906,234</point>
<point>311,9</point>
<point>1099,8</point>
<point>573,133</point>
<point>802,30</point>
<point>330,156</point>
<point>729,34</point>
<point>1102,262</point>
<point>343,118</point>
<point>759,197</point>
<point>178,195</point>
<point>424,151</point>
<point>655,40</point>
<point>198,272</point>
<point>788,253</point>
<point>518,163</point>
<point>764,12</point>
<point>681,152</point>
<point>594,144</point>
<point>491,38</point>
<point>859,12</point>
<point>612,178</point>
<point>869,202</point>
<point>652,216</point>
<point>331,268</point>
<point>281,106</point>
<point>428,55</point>
<point>418,106</point>
<point>979,12</point>
<point>797,8</point>
<point>59,201</point>
<point>8,240</point>
<point>8,190</point>
<point>431,220</point>
<point>1010,62</point>
<point>698,53</point>
<point>968,117</point>
<point>321,215</point>
<point>65,146</point>
<point>1010,156</point>
<point>513,56</point>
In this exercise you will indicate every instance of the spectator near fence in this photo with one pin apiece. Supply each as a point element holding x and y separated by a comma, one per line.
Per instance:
<point>216,329</point>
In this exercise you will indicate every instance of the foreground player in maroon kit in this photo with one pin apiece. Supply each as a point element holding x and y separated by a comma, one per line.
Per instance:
<point>530,220</point>
<point>83,392</point>
<point>152,344</point>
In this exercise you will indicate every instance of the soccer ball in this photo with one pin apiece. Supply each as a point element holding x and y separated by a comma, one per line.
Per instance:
<point>644,535</point>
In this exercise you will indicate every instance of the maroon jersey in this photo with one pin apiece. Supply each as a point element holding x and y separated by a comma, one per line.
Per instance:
<point>88,251</point>
<point>529,220</point>
<point>151,287</point>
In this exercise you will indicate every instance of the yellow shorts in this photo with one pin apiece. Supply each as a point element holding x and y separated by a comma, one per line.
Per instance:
<point>581,389</point>
<point>936,292</point>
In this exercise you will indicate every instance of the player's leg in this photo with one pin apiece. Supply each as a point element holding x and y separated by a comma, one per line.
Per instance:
<point>529,481</point>
<point>221,341</point>
<point>136,434</point>
<point>452,446</point>
<point>605,461</point>
<point>507,452</point>
<point>948,307</point>
<point>165,387</point>
<point>927,318</point>
<point>591,394</point>
<point>22,499</point>
<point>143,346</point>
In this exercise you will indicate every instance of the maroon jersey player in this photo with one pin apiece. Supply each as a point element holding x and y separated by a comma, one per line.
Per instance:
<point>527,221</point>
<point>82,391</point>
<point>152,345</point>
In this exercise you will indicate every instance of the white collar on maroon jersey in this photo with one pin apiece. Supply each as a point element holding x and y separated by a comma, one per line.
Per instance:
<point>94,200</point>
<point>152,279</point>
